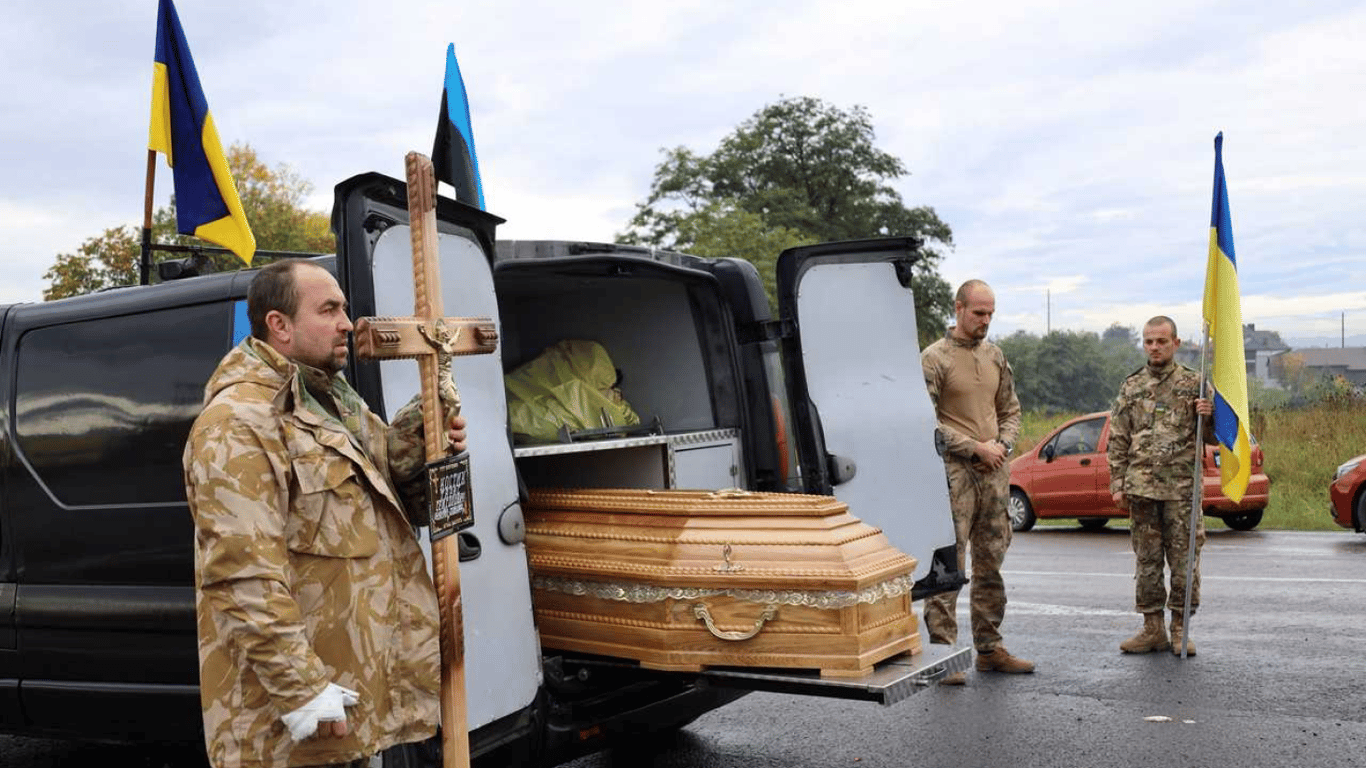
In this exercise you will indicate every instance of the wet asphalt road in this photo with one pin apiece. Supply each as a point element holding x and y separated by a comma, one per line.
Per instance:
<point>1279,680</point>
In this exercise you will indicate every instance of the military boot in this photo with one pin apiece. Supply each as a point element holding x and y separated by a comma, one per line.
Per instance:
<point>1153,636</point>
<point>1000,660</point>
<point>1179,634</point>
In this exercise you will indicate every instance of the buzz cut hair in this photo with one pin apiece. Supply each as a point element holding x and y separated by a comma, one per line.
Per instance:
<point>1160,320</point>
<point>961,297</point>
<point>272,290</point>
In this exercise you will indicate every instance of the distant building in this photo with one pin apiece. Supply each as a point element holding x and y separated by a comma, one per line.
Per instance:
<point>1347,362</point>
<point>1260,348</point>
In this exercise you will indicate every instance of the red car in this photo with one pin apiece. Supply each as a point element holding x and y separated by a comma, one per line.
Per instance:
<point>1348,494</point>
<point>1066,475</point>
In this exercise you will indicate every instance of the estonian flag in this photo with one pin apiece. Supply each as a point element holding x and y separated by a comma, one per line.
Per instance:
<point>1225,319</point>
<point>206,201</point>
<point>453,154</point>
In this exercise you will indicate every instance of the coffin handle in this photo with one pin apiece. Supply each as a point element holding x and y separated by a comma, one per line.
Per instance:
<point>700,611</point>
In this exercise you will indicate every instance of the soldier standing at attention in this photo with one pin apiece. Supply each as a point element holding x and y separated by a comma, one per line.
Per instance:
<point>973,391</point>
<point>1152,474</point>
<point>318,637</point>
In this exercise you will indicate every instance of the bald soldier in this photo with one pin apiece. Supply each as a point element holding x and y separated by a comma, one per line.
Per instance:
<point>973,391</point>
<point>318,636</point>
<point>1152,455</point>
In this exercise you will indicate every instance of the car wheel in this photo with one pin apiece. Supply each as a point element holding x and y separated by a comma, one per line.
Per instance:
<point>1361,511</point>
<point>1021,513</point>
<point>1244,521</point>
<point>1093,523</point>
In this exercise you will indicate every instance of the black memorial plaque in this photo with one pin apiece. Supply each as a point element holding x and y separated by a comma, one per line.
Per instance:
<point>449,497</point>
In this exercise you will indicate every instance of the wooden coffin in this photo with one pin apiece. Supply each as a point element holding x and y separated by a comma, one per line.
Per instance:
<point>681,580</point>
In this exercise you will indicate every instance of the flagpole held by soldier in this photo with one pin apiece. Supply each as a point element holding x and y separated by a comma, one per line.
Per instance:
<point>1197,493</point>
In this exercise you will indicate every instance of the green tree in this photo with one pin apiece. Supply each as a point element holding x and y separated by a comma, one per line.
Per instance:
<point>719,230</point>
<point>272,199</point>
<point>1122,353</point>
<point>1070,370</point>
<point>102,261</point>
<point>803,171</point>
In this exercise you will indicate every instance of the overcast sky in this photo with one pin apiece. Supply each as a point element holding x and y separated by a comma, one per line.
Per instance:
<point>1069,144</point>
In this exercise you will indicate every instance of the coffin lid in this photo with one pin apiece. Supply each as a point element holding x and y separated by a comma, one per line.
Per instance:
<point>703,539</point>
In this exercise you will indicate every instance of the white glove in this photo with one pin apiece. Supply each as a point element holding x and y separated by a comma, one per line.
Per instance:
<point>326,707</point>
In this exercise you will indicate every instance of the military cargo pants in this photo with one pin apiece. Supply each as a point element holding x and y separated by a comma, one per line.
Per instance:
<point>982,526</point>
<point>1161,529</point>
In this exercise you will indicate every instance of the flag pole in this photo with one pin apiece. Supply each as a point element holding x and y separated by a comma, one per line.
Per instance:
<point>145,262</point>
<point>1196,495</point>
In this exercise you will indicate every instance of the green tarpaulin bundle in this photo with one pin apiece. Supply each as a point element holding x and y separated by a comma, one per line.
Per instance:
<point>571,383</point>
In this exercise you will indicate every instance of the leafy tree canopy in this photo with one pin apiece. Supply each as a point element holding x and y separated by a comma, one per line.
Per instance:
<point>271,197</point>
<point>798,171</point>
<point>1071,370</point>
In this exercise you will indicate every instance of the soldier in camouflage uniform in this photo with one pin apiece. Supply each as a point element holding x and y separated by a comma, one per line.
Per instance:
<point>1152,474</point>
<point>973,391</point>
<point>318,636</point>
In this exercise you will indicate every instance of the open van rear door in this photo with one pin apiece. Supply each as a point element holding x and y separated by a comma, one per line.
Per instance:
<point>864,422</point>
<point>374,263</point>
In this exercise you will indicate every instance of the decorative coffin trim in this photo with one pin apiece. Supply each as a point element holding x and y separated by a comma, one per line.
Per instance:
<point>647,593</point>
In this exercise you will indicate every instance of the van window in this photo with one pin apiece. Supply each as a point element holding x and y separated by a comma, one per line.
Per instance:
<point>103,407</point>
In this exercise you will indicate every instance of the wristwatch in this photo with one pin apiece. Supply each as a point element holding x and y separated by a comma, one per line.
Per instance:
<point>1010,447</point>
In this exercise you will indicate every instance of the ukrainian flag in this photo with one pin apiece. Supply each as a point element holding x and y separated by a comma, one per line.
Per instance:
<point>206,201</point>
<point>453,154</point>
<point>1225,319</point>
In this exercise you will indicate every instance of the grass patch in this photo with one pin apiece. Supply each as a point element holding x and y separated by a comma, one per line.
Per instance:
<point>1302,447</point>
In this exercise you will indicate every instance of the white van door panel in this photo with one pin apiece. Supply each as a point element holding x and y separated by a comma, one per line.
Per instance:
<point>861,361</point>
<point>503,661</point>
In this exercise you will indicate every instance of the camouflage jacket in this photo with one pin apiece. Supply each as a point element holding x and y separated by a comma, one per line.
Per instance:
<point>998,419</point>
<point>1152,433</point>
<point>306,569</point>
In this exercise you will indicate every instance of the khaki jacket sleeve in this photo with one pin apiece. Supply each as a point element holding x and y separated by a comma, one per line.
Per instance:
<point>239,497</point>
<point>955,442</point>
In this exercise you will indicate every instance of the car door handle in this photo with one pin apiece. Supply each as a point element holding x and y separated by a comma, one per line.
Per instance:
<point>1085,462</point>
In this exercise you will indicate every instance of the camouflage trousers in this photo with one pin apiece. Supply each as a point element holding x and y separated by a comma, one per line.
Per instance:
<point>982,527</point>
<point>1158,530</point>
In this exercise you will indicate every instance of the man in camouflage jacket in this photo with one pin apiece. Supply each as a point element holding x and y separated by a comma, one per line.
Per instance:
<point>318,623</point>
<point>973,391</point>
<point>1152,455</point>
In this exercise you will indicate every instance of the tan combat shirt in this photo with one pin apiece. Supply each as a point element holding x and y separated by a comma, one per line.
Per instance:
<point>973,391</point>
<point>307,570</point>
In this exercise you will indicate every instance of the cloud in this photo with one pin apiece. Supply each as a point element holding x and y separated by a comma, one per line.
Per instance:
<point>1068,144</point>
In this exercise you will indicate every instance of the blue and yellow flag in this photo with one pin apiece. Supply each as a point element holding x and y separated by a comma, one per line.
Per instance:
<point>1225,318</point>
<point>453,155</point>
<point>206,199</point>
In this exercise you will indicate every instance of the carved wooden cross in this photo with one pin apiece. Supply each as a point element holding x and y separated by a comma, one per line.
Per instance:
<point>432,340</point>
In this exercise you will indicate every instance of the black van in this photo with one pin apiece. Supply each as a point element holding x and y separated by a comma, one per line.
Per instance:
<point>97,631</point>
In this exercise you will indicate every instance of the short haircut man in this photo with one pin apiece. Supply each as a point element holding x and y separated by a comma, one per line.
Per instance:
<point>973,391</point>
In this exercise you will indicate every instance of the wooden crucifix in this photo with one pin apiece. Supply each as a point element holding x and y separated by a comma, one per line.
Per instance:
<point>432,340</point>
